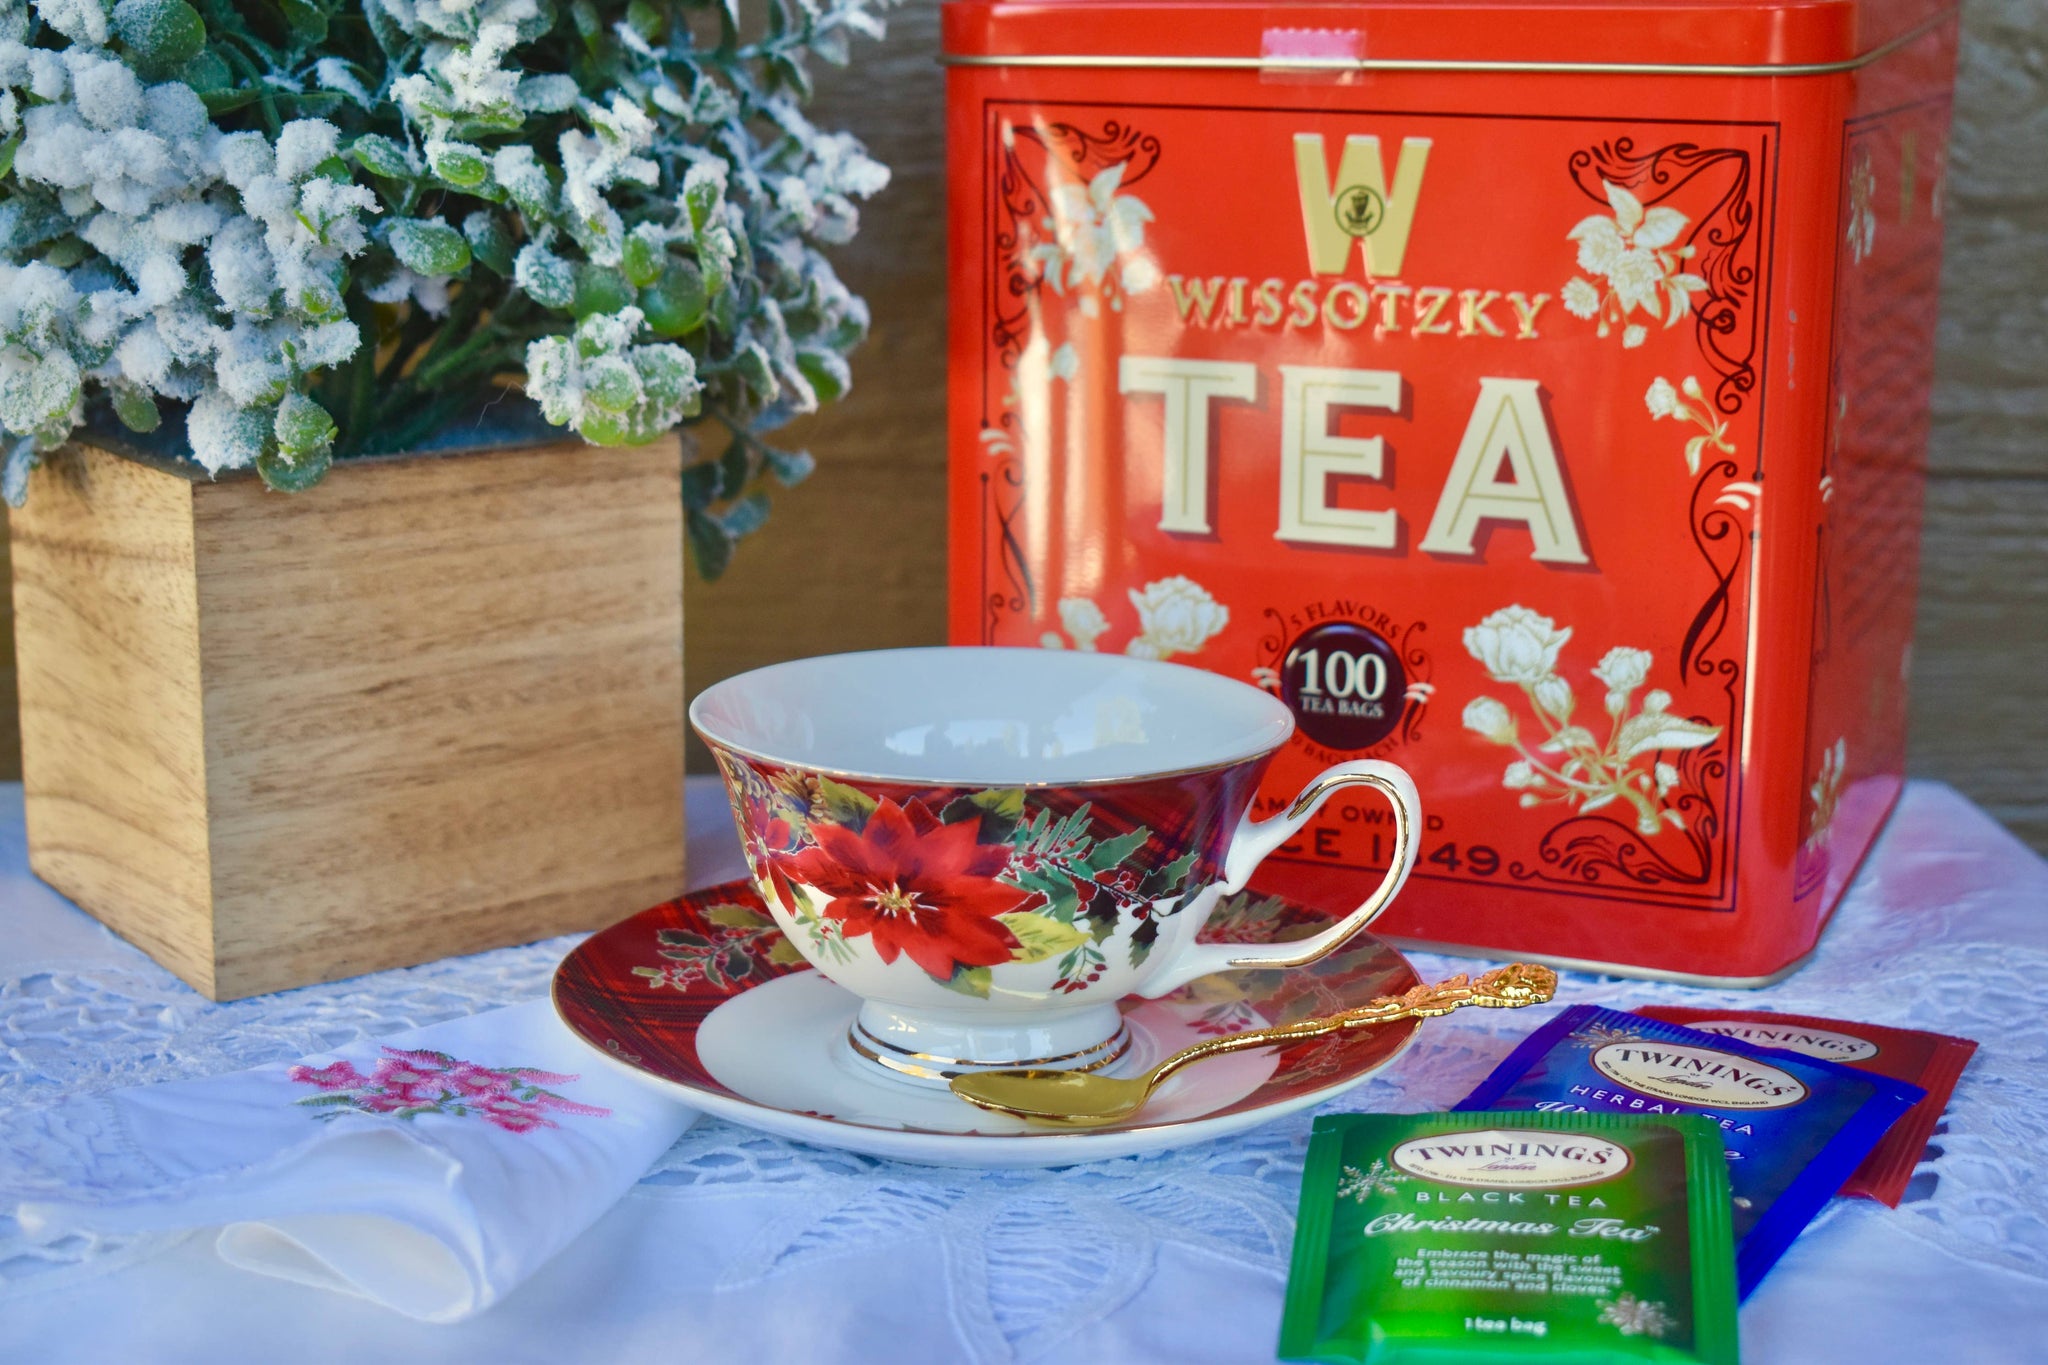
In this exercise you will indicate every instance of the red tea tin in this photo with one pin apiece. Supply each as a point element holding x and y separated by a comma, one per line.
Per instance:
<point>1532,393</point>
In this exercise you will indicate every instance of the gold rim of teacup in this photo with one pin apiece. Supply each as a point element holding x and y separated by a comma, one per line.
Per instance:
<point>977,784</point>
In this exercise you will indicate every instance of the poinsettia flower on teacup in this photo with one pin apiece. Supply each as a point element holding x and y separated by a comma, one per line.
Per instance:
<point>914,887</point>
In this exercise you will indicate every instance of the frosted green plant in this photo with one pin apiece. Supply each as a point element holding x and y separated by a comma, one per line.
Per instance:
<point>324,228</point>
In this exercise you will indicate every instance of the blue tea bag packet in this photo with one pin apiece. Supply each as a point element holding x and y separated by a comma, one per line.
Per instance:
<point>1795,1127</point>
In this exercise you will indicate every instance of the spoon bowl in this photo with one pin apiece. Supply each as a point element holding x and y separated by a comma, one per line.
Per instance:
<point>1083,1099</point>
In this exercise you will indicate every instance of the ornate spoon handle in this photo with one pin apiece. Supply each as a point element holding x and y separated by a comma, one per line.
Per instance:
<point>1509,987</point>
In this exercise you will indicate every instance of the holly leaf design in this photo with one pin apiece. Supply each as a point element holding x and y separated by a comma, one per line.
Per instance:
<point>1110,853</point>
<point>842,805</point>
<point>783,953</point>
<point>1041,936</point>
<point>1142,939</point>
<point>1061,901</point>
<point>738,917</point>
<point>1173,880</point>
<point>1101,915</point>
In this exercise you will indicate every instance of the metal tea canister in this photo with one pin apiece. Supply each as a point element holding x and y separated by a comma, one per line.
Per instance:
<point>1533,394</point>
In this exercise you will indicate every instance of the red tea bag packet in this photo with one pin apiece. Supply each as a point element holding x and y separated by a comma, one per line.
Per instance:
<point>1931,1061</point>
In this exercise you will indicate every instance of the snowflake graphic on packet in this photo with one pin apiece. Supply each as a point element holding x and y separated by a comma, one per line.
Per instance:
<point>1635,1317</point>
<point>1600,1035</point>
<point>1378,1178</point>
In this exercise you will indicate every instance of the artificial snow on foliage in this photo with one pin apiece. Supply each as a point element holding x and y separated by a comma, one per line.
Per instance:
<point>324,235</point>
<point>606,387</point>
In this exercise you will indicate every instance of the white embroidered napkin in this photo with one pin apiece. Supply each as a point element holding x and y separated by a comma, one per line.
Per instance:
<point>430,1173</point>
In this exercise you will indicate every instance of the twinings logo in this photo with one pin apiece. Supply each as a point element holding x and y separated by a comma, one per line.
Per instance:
<point>1813,1042</point>
<point>1510,1159</point>
<point>1358,205</point>
<point>1702,1076</point>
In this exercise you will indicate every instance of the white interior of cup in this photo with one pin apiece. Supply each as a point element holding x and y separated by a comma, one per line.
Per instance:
<point>990,716</point>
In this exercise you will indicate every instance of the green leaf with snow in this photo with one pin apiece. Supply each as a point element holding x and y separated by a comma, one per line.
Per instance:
<point>382,157</point>
<point>643,255</point>
<point>676,303</point>
<point>490,242</point>
<point>37,395</point>
<point>303,429</point>
<point>600,290</point>
<point>136,409</point>
<point>284,473</point>
<point>161,35</point>
<point>459,164</point>
<point>427,246</point>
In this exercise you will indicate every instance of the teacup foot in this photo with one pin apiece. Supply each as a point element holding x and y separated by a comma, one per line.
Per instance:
<point>928,1051</point>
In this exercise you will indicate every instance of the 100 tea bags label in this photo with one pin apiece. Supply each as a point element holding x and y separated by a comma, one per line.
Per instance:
<point>1477,1236</point>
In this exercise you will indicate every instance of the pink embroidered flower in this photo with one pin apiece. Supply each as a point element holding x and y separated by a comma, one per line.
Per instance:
<point>334,1076</point>
<point>407,1084</point>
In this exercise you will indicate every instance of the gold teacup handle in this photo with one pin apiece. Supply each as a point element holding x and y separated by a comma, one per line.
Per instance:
<point>1255,839</point>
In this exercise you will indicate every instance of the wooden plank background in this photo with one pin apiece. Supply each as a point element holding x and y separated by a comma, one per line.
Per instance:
<point>1981,652</point>
<point>856,558</point>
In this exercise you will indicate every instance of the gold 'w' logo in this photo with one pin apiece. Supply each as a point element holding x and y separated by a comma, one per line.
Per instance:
<point>1358,205</point>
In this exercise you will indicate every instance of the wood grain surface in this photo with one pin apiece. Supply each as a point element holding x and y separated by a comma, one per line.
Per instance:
<point>107,618</point>
<point>1982,645</point>
<point>428,707</point>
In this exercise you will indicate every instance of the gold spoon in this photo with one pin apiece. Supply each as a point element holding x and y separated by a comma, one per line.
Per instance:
<point>1081,1099</point>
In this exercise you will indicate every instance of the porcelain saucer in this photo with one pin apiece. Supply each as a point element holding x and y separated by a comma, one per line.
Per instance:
<point>705,995</point>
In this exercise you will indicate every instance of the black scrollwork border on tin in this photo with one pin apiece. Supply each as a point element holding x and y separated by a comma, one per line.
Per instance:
<point>1726,323</point>
<point>1416,662</point>
<point>1002,503</point>
<point>1720,536</point>
<point>1587,849</point>
<point>1584,849</point>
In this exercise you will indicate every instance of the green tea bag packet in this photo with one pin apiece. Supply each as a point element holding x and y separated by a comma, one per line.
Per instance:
<point>1442,1238</point>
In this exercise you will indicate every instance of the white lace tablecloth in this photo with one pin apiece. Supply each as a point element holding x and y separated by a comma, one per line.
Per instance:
<point>740,1246</point>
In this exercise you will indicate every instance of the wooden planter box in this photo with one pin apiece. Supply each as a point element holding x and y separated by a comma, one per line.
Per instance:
<point>433,705</point>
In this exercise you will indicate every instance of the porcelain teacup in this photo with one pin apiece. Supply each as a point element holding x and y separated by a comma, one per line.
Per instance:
<point>990,847</point>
